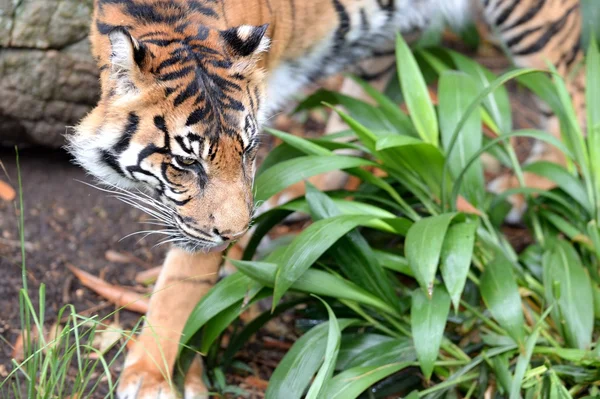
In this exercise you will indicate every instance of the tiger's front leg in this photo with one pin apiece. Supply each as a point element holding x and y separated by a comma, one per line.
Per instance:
<point>148,369</point>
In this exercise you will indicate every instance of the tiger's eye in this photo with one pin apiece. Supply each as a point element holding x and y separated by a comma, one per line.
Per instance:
<point>186,161</point>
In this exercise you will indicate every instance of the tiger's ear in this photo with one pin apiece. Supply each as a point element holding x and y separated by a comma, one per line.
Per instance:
<point>127,58</point>
<point>246,42</point>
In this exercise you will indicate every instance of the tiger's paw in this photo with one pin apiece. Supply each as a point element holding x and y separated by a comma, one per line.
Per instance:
<point>140,382</point>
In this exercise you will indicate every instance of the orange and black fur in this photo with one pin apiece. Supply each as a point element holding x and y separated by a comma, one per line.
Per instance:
<point>186,87</point>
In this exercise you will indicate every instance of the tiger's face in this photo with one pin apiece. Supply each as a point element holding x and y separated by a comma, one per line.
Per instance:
<point>178,117</point>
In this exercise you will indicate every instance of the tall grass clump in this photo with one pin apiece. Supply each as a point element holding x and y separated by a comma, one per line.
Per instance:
<point>424,295</point>
<point>59,359</point>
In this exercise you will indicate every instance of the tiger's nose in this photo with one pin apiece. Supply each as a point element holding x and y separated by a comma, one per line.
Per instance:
<point>227,235</point>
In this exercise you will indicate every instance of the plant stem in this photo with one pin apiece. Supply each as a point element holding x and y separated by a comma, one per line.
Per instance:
<point>487,321</point>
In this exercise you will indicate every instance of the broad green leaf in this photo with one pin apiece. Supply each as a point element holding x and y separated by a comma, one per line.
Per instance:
<point>281,153</point>
<point>541,85</point>
<point>569,229</point>
<point>390,141</point>
<point>502,372</point>
<point>224,294</point>
<point>309,245</point>
<point>423,159</point>
<point>557,388</point>
<point>590,15</point>
<point>350,383</point>
<point>396,350</point>
<point>497,83</point>
<point>392,111</point>
<point>325,372</point>
<point>501,296</point>
<point>423,246</point>
<point>316,282</point>
<point>416,94</point>
<point>354,344</point>
<point>242,337</point>
<point>456,91</point>
<point>215,326</point>
<point>394,262</point>
<point>592,99</point>
<point>565,276</point>
<point>428,320</point>
<point>299,143</point>
<point>456,255</point>
<point>565,180</point>
<point>536,134</point>
<point>352,252</point>
<point>367,114</point>
<point>293,374</point>
<point>571,132</point>
<point>365,135</point>
<point>497,103</point>
<point>345,207</point>
<point>286,173</point>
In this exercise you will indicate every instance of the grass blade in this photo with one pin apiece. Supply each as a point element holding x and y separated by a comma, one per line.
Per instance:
<point>565,180</point>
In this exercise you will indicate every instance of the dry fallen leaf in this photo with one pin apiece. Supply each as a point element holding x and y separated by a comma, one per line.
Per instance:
<point>118,295</point>
<point>465,206</point>
<point>256,382</point>
<point>106,338</point>
<point>18,352</point>
<point>7,193</point>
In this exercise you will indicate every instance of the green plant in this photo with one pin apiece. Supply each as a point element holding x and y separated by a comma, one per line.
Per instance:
<point>419,287</point>
<point>59,361</point>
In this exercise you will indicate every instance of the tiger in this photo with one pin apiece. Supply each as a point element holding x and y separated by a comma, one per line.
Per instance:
<point>186,87</point>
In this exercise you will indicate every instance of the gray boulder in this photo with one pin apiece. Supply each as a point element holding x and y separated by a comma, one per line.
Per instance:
<point>48,79</point>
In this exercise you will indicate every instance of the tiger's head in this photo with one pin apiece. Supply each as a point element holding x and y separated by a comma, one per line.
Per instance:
<point>178,116</point>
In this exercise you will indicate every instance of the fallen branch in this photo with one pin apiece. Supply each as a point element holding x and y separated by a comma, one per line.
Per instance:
<point>120,296</point>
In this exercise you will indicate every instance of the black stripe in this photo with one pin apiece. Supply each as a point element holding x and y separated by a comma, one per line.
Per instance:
<point>514,41</point>
<point>506,12</point>
<point>111,161</point>
<point>132,125</point>
<point>343,26</point>
<point>196,116</point>
<point>207,11</point>
<point>531,12</point>
<point>364,20</point>
<point>189,91</point>
<point>574,53</point>
<point>166,63</point>
<point>176,74</point>
<point>547,36</point>
<point>161,125</point>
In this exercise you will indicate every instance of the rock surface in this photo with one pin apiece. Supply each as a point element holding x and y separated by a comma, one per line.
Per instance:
<point>48,79</point>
